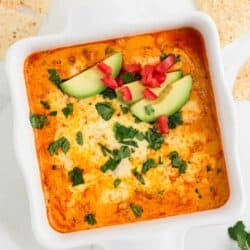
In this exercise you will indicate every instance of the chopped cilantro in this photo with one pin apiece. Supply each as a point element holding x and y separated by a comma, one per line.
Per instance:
<point>109,93</point>
<point>124,109</point>
<point>122,132</point>
<point>105,110</point>
<point>53,113</point>
<point>177,58</point>
<point>128,77</point>
<point>54,77</point>
<point>138,176</point>
<point>68,110</point>
<point>62,143</point>
<point>104,149</point>
<point>163,55</point>
<point>90,219</point>
<point>175,120</point>
<point>117,182</point>
<point>130,143</point>
<point>136,209</point>
<point>177,162</point>
<point>110,164</point>
<point>154,139</point>
<point>160,162</point>
<point>140,136</point>
<point>37,120</point>
<point>149,163</point>
<point>79,138</point>
<point>45,104</point>
<point>149,109</point>
<point>75,176</point>
<point>137,120</point>
<point>240,235</point>
<point>109,50</point>
<point>123,152</point>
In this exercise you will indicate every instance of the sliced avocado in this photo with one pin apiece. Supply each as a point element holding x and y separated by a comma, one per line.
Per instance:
<point>88,83</point>
<point>172,98</point>
<point>137,87</point>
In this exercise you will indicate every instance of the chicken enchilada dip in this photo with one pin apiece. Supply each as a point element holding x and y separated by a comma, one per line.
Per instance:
<point>126,130</point>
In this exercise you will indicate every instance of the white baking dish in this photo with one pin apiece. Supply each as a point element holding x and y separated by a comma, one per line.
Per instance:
<point>88,23</point>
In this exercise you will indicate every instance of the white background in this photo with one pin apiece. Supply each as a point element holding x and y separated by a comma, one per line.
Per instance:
<point>15,227</point>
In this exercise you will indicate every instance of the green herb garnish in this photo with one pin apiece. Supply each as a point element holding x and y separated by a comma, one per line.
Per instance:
<point>136,119</point>
<point>117,182</point>
<point>177,162</point>
<point>104,149</point>
<point>109,93</point>
<point>160,162</point>
<point>163,55</point>
<point>140,136</point>
<point>79,138</point>
<point>45,104</point>
<point>149,109</point>
<point>105,110</point>
<point>53,113</point>
<point>136,209</point>
<point>90,219</point>
<point>138,176</point>
<point>122,132</point>
<point>110,164</point>
<point>37,120</point>
<point>68,110</point>
<point>76,176</point>
<point>124,109</point>
<point>175,120</point>
<point>54,77</point>
<point>128,77</point>
<point>177,58</point>
<point>62,143</point>
<point>130,143</point>
<point>109,50</point>
<point>240,235</point>
<point>154,139</point>
<point>149,163</point>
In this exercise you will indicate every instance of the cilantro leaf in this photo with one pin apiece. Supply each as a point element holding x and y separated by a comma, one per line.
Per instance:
<point>136,209</point>
<point>122,132</point>
<point>129,143</point>
<point>45,104</point>
<point>109,93</point>
<point>128,77</point>
<point>62,143</point>
<point>175,120</point>
<point>138,176</point>
<point>75,176</point>
<point>68,110</point>
<point>37,120</point>
<point>110,164</point>
<point>154,139</point>
<point>239,234</point>
<point>117,182</point>
<point>90,219</point>
<point>105,110</point>
<point>79,138</point>
<point>163,55</point>
<point>104,149</point>
<point>149,109</point>
<point>124,109</point>
<point>149,163</point>
<point>54,77</point>
<point>177,162</point>
<point>53,113</point>
<point>177,58</point>
<point>109,50</point>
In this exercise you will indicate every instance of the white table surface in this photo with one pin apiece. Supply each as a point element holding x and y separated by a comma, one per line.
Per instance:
<point>15,227</point>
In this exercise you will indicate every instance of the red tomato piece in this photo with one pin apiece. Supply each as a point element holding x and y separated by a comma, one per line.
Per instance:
<point>126,94</point>
<point>149,95</point>
<point>104,68</point>
<point>163,124</point>
<point>160,78</point>
<point>164,65</point>
<point>110,82</point>
<point>119,82</point>
<point>133,68</point>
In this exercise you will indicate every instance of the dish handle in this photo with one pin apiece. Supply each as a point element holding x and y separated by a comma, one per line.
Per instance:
<point>171,239</point>
<point>234,56</point>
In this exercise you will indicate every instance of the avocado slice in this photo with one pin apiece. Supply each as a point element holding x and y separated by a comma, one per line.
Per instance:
<point>172,99</point>
<point>88,83</point>
<point>137,87</point>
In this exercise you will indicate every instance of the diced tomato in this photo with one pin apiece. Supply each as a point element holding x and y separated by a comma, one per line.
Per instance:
<point>119,82</point>
<point>164,65</point>
<point>149,95</point>
<point>148,70</point>
<point>110,82</point>
<point>160,78</point>
<point>104,68</point>
<point>163,124</point>
<point>126,94</point>
<point>134,68</point>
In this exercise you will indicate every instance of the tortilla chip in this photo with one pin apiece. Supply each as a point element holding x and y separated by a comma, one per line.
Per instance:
<point>231,16</point>
<point>10,3</point>
<point>41,6</point>
<point>14,26</point>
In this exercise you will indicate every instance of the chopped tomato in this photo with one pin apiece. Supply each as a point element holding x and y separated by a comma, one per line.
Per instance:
<point>104,68</point>
<point>126,94</point>
<point>149,95</point>
<point>147,77</point>
<point>110,82</point>
<point>119,82</point>
<point>133,68</point>
<point>164,65</point>
<point>163,124</point>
